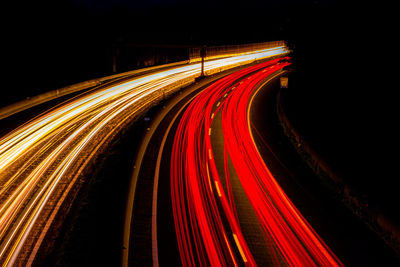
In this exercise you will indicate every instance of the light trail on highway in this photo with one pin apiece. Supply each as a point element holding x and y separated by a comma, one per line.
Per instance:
<point>42,162</point>
<point>207,225</point>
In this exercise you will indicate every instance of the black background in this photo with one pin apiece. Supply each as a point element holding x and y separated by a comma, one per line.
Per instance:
<point>49,44</point>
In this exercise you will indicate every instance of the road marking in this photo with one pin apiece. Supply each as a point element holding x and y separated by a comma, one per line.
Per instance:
<point>239,247</point>
<point>217,186</point>
<point>230,250</point>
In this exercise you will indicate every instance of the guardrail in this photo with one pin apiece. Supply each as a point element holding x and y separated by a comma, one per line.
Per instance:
<point>212,53</point>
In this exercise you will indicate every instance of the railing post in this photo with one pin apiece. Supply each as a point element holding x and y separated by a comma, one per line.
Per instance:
<point>203,55</point>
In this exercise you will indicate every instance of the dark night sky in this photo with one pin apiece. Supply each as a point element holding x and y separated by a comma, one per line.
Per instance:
<point>49,44</point>
<point>72,40</point>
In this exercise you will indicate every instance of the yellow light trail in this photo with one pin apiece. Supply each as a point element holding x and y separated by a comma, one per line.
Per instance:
<point>41,161</point>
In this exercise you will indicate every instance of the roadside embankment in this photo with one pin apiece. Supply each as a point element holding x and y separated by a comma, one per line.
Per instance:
<point>357,201</point>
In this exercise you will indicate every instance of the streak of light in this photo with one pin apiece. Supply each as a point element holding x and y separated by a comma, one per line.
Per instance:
<point>41,161</point>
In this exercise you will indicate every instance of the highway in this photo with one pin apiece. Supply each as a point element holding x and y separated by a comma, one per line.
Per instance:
<point>349,237</point>
<point>221,171</point>
<point>44,161</point>
<point>197,192</point>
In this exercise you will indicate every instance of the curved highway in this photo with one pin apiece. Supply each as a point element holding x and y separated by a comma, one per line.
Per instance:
<point>197,188</point>
<point>212,185</point>
<point>220,187</point>
<point>207,187</point>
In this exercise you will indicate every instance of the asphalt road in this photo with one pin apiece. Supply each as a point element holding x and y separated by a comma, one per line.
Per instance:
<point>158,141</point>
<point>153,236</point>
<point>348,237</point>
<point>162,247</point>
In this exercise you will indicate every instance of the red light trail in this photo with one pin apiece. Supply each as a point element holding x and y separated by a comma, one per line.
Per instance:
<point>206,223</point>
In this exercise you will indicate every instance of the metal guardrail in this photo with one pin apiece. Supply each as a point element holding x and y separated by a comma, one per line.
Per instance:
<point>211,52</point>
<point>194,54</point>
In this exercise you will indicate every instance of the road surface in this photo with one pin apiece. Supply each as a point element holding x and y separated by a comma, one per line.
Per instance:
<point>203,204</point>
<point>224,187</point>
